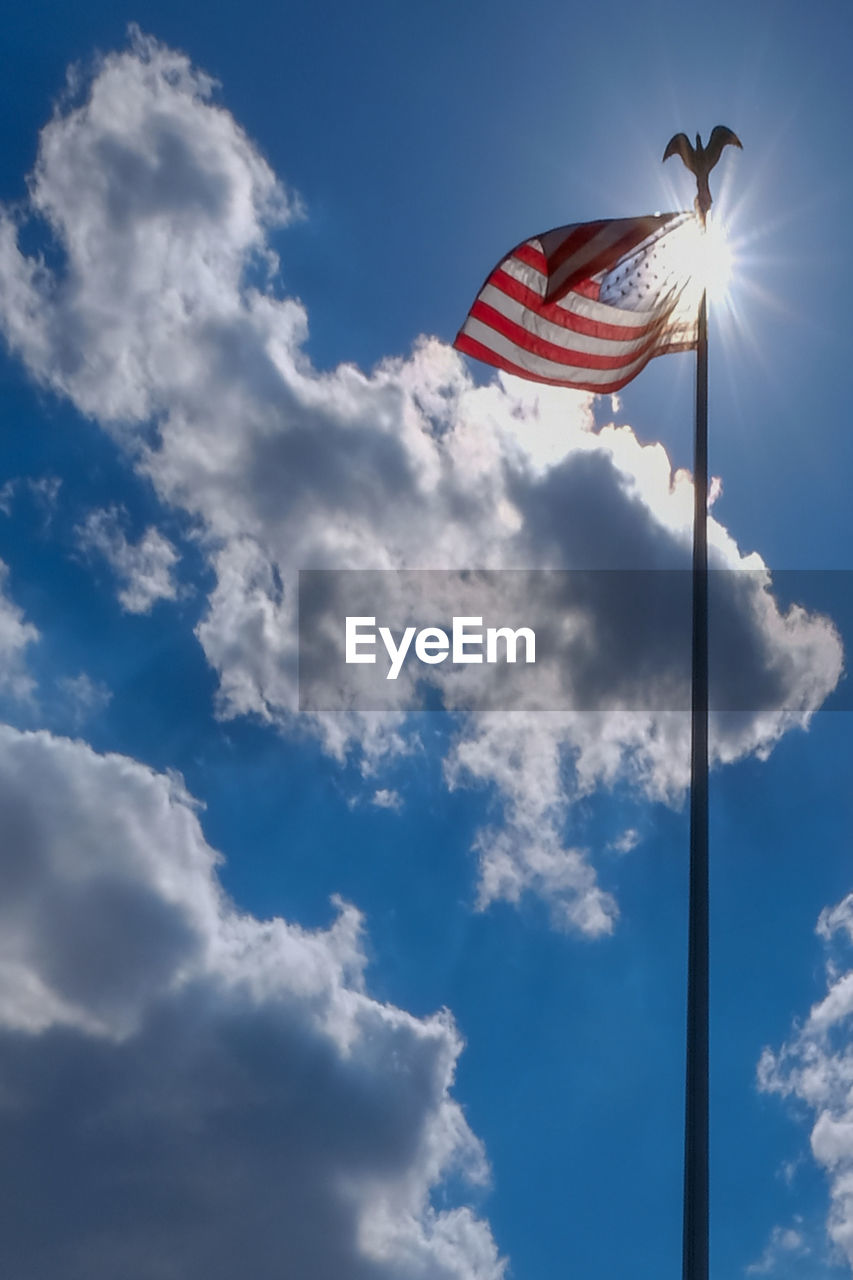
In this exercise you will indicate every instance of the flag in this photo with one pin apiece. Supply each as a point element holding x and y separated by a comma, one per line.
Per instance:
<point>588,305</point>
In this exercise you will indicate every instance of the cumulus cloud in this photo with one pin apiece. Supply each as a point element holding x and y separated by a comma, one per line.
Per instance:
<point>144,567</point>
<point>196,1092</point>
<point>160,326</point>
<point>815,1066</point>
<point>16,635</point>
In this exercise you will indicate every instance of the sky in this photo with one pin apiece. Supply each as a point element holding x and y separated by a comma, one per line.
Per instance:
<point>400,995</point>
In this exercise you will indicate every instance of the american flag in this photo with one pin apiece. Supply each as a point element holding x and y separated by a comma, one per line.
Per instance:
<point>587,305</point>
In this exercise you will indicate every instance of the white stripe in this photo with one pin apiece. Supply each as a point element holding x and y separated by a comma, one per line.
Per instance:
<point>578,304</point>
<point>535,323</point>
<point>509,350</point>
<point>529,276</point>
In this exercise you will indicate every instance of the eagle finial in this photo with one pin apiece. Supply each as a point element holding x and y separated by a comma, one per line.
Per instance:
<point>701,160</point>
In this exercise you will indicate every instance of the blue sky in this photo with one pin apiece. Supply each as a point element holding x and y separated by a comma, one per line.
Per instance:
<point>374,998</point>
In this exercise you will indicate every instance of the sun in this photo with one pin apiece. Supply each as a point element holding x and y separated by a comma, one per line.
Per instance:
<point>714,259</point>
<point>702,260</point>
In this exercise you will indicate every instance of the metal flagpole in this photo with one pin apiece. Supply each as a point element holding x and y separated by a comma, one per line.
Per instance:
<point>695,1239</point>
<point>700,160</point>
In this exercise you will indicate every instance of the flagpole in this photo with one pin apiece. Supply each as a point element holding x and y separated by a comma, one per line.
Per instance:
<point>695,1237</point>
<point>700,160</point>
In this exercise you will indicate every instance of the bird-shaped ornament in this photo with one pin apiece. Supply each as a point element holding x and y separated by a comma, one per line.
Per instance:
<point>701,160</point>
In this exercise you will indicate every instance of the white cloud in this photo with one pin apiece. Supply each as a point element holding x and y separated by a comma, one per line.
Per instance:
<point>815,1066</point>
<point>229,1089</point>
<point>784,1243</point>
<point>45,491</point>
<point>385,798</point>
<point>15,637</point>
<point>788,1170</point>
<point>83,696</point>
<point>164,209</point>
<point>624,843</point>
<point>145,567</point>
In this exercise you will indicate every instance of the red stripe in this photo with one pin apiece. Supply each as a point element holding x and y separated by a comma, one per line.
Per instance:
<point>601,261</point>
<point>574,242</point>
<point>642,228</point>
<point>528,341</point>
<point>471,347</point>
<point>530,257</point>
<point>566,319</point>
